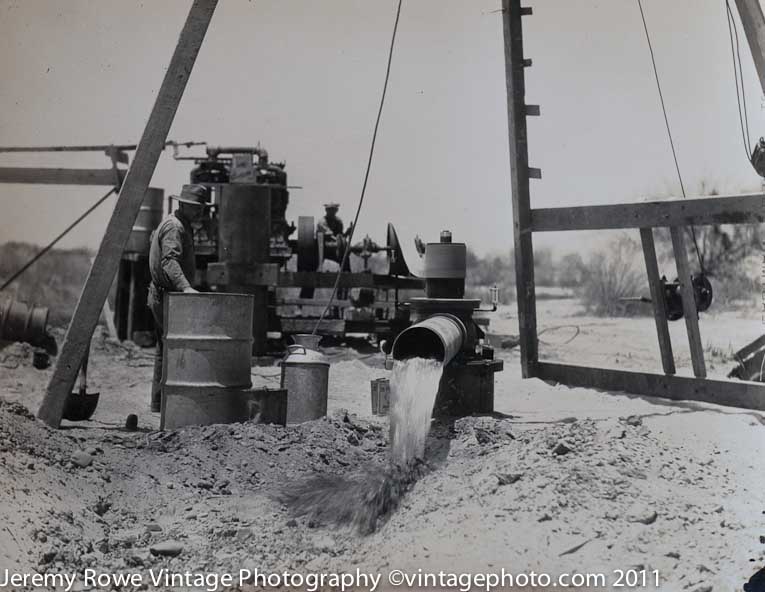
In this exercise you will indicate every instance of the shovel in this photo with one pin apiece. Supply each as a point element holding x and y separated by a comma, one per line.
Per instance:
<point>81,405</point>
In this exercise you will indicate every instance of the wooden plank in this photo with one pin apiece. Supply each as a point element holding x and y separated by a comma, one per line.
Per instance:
<point>106,313</point>
<point>657,298</point>
<point>734,393</point>
<point>54,176</point>
<point>533,111</point>
<point>183,406</point>
<point>128,204</point>
<point>131,301</point>
<point>108,317</point>
<point>319,279</point>
<point>690,313</point>
<point>519,182</point>
<point>534,173</point>
<point>307,325</point>
<point>753,20</point>
<point>749,349</point>
<point>734,209</point>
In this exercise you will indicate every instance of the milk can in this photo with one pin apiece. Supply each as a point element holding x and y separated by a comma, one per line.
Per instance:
<point>305,375</point>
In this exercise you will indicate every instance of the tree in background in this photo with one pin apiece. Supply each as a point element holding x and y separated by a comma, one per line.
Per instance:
<point>572,271</point>
<point>614,275</point>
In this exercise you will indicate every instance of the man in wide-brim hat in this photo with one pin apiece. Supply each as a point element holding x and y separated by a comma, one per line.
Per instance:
<point>172,265</point>
<point>330,224</point>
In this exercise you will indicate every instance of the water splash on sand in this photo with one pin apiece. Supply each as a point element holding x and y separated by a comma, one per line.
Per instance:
<point>371,493</point>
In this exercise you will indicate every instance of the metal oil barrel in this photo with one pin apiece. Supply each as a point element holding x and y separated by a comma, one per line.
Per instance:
<point>149,217</point>
<point>206,365</point>
<point>22,322</point>
<point>305,375</point>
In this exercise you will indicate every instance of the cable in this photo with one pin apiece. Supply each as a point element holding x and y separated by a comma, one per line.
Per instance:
<point>736,49</point>
<point>366,174</point>
<point>669,131</point>
<point>50,245</point>
<point>576,328</point>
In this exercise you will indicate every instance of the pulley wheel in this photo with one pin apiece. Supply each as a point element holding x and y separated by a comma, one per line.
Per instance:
<point>702,290</point>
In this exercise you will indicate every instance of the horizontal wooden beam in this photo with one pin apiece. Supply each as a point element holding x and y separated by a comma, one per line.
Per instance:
<point>49,176</point>
<point>734,209</point>
<point>734,393</point>
<point>317,279</point>
<point>327,327</point>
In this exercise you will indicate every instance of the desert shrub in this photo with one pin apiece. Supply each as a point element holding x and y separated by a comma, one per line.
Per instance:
<point>732,257</point>
<point>612,276</point>
<point>572,271</point>
<point>485,272</point>
<point>738,285</point>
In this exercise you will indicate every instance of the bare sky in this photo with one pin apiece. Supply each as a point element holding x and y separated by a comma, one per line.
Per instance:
<point>303,78</point>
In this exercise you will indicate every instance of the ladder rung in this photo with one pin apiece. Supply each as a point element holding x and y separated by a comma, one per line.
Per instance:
<point>535,173</point>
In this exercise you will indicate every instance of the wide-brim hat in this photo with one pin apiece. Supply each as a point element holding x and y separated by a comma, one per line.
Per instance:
<point>196,194</point>
<point>332,206</point>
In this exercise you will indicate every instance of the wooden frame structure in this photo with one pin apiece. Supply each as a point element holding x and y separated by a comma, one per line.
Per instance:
<point>676,215</point>
<point>738,209</point>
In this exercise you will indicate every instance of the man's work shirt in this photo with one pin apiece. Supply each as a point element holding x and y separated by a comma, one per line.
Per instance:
<point>330,226</point>
<point>171,256</point>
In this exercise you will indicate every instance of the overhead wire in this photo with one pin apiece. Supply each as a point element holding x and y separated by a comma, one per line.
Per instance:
<point>738,77</point>
<point>366,174</point>
<point>669,130</point>
<point>52,243</point>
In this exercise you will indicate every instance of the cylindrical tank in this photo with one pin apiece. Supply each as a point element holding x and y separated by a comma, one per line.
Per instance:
<point>305,375</point>
<point>207,349</point>
<point>445,268</point>
<point>149,217</point>
<point>244,223</point>
<point>21,322</point>
<point>440,336</point>
<point>244,236</point>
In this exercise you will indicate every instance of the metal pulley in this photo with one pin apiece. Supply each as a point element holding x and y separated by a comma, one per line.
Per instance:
<point>758,157</point>
<point>673,298</point>
<point>702,292</point>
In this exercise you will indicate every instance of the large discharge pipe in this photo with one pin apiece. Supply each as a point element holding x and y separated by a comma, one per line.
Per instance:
<point>440,336</point>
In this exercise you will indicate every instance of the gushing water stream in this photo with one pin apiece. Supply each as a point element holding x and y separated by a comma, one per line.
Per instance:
<point>370,493</point>
<point>413,385</point>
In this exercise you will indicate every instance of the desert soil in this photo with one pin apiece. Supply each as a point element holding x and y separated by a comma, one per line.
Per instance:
<point>558,480</point>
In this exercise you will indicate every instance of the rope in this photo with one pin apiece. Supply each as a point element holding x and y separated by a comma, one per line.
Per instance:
<point>366,174</point>
<point>50,245</point>
<point>669,131</point>
<point>576,328</point>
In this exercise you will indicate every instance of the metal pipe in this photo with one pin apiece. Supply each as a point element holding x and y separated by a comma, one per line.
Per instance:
<point>440,336</point>
<point>262,153</point>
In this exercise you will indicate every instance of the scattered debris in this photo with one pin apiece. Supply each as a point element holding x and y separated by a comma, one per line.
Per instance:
<point>574,549</point>
<point>508,478</point>
<point>562,448</point>
<point>166,549</point>
<point>81,459</point>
